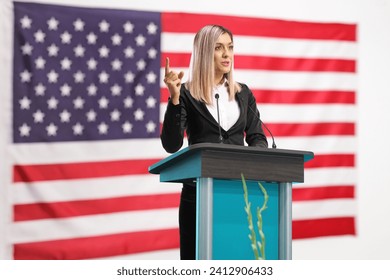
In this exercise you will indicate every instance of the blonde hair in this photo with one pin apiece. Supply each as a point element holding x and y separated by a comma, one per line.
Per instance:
<point>201,74</point>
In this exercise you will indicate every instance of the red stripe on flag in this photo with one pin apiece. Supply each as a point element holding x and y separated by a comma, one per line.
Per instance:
<point>66,209</point>
<point>323,227</point>
<point>316,193</point>
<point>272,63</point>
<point>331,160</point>
<point>98,246</point>
<point>293,64</point>
<point>292,97</point>
<point>60,171</point>
<point>311,129</point>
<point>303,96</point>
<point>181,60</point>
<point>164,95</point>
<point>192,23</point>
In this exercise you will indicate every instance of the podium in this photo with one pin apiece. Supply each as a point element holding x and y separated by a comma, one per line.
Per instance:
<point>222,225</point>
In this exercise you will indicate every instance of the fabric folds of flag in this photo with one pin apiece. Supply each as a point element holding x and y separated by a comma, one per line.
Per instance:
<point>87,104</point>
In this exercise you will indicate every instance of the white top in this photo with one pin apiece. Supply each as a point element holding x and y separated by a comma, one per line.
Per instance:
<point>229,111</point>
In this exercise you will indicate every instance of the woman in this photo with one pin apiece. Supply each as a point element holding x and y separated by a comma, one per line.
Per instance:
<point>193,108</point>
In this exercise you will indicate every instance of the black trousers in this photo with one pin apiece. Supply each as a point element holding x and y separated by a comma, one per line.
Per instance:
<point>187,222</point>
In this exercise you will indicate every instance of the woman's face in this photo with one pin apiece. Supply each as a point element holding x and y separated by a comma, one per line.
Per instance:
<point>223,55</point>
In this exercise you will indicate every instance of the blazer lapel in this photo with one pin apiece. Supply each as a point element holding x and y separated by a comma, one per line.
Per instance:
<point>202,109</point>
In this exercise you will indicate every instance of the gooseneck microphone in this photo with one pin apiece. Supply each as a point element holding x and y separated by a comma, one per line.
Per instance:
<point>269,131</point>
<point>219,123</point>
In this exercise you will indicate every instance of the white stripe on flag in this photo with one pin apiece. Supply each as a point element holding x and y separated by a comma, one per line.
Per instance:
<point>303,210</point>
<point>88,189</point>
<point>329,176</point>
<point>94,225</point>
<point>300,80</point>
<point>319,144</point>
<point>262,46</point>
<point>313,113</point>
<point>297,80</point>
<point>88,151</point>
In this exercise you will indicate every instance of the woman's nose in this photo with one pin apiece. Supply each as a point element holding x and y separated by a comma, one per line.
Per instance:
<point>225,53</point>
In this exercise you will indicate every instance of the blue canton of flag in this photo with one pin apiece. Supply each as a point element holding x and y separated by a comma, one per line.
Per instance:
<point>85,74</point>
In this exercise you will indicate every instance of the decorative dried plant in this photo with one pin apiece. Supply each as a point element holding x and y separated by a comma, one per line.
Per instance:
<point>258,247</point>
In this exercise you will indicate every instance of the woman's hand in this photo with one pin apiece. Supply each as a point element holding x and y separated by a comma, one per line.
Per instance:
<point>173,82</point>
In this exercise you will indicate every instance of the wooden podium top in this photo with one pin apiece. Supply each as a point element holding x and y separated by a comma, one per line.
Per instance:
<point>229,161</point>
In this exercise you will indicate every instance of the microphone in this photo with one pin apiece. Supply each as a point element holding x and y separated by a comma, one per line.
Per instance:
<point>219,123</point>
<point>269,131</point>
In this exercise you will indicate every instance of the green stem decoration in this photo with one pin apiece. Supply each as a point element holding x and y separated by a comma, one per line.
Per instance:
<point>258,247</point>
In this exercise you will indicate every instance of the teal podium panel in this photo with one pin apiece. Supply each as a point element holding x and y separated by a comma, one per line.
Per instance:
<point>222,225</point>
<point>230,227</point>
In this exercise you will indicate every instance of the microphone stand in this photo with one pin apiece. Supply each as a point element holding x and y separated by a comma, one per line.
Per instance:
<point>269,131</point>
<point>219,123</point>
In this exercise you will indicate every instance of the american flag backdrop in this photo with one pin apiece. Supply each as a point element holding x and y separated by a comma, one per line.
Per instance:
<point>85,113</point>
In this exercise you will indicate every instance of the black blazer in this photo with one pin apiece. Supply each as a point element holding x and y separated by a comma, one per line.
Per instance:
<point>193,117</point>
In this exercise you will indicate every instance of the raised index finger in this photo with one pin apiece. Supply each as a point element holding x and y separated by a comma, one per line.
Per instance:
<point>166,66</point>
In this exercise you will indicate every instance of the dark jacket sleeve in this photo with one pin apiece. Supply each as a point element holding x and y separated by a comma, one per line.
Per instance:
<point>173,127</point>
<point>254,132</point>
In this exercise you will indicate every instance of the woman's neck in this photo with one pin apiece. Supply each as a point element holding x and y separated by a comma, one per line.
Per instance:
<point>219,80</point>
